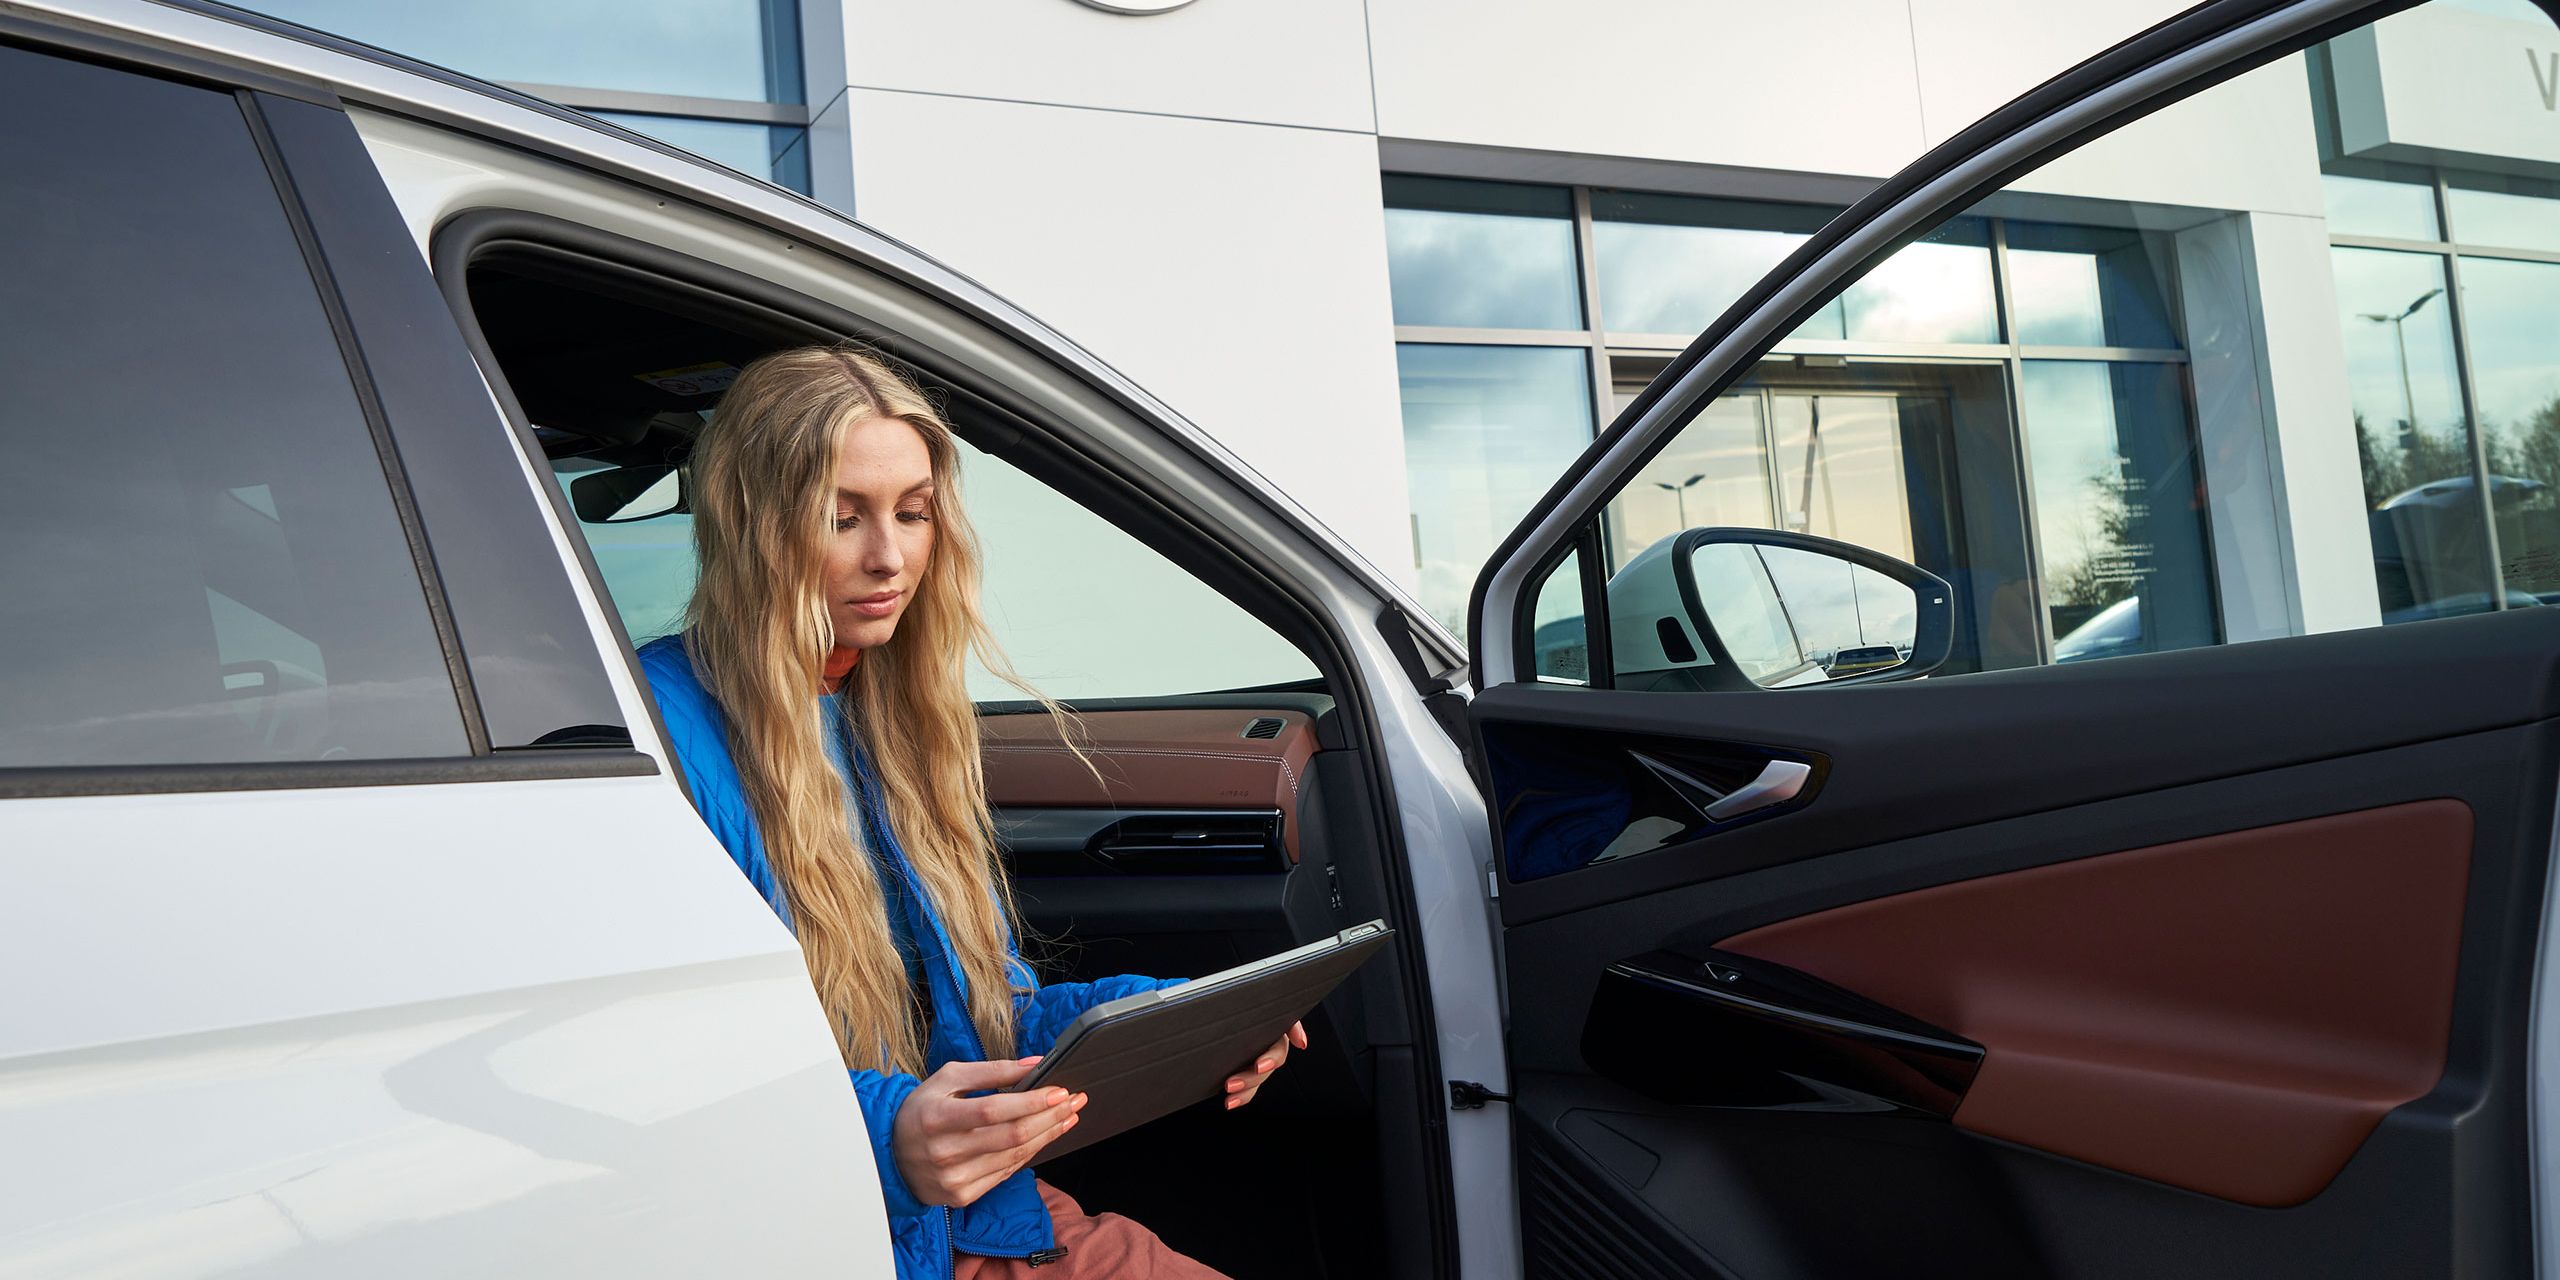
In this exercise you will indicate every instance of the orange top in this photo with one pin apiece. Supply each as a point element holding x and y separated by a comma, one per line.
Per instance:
<point>840,662</point>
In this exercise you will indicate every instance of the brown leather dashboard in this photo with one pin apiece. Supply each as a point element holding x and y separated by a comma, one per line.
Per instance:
<point>2232,1014</point>
<point>1182,758</point>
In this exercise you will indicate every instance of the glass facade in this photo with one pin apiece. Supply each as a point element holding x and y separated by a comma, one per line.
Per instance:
<point>2446,310</point>
<point>1898,417</point>
<point>1486,430</point>
<point>613,57</point>
<point>1481,255</point>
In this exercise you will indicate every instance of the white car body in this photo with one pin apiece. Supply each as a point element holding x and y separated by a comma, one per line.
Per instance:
<point>242,1033</point>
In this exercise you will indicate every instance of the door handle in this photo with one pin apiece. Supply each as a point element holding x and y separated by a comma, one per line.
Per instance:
<point>1779,782</point>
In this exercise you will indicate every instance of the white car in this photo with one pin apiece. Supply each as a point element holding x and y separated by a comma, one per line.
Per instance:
<point>354,923</point>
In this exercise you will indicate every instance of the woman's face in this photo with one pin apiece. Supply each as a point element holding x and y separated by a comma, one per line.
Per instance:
<point>883,532</point>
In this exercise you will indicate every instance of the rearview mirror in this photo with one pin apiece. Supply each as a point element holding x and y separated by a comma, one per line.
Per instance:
<point>1759,608</point>
<point>624,494</point>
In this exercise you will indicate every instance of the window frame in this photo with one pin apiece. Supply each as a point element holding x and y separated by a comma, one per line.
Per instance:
<point>256,94</point>
<point>2177,59</point>
<point>1109,493</point>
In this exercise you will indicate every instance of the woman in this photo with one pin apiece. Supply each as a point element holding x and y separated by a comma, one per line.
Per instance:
<point>816,702</point>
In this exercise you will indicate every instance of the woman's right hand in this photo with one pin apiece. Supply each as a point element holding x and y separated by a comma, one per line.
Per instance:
<point>953,1149</point>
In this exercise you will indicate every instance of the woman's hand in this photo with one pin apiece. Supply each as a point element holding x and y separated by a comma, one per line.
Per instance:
<point>952,1149</point>
<point>1242,1087</point>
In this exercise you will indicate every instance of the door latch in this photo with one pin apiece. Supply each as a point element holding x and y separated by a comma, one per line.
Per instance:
<point>1467,1095</point>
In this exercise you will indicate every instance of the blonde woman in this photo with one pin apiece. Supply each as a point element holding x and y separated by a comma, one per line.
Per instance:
<point>817,706</point>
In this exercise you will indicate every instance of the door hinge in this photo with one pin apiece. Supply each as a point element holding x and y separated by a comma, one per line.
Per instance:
<point>1467,1095</point>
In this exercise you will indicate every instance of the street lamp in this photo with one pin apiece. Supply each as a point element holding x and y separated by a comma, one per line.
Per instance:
<point>2400,342</point>
<point>1680,494</point>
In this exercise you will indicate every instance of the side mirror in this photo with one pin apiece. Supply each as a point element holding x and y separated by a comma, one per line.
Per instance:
<point>1763,609</point>
<point>620,495</point>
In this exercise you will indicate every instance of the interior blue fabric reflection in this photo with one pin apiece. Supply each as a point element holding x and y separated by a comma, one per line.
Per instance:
<point>1560,809</point>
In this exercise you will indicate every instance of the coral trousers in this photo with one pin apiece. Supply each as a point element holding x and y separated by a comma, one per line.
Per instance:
<point>1097,1245</point>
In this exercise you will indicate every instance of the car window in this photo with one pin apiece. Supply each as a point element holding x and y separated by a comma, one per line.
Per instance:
<point>201,557</point>
<point>2275,359</point>
<point>1081,608</point>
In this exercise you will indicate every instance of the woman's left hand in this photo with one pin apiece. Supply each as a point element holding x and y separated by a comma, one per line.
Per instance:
<point>1242,1087</point>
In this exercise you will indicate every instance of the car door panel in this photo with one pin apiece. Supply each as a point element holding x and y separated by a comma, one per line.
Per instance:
<point>1907,759</point>
<point>2230,1014</point>
<point>2240,946</point>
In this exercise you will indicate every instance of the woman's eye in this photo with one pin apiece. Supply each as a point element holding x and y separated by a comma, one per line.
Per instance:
<point>915,517</point>
<point>846,522</point>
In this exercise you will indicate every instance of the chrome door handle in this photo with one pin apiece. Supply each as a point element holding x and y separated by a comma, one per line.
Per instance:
<point>1778,783</point>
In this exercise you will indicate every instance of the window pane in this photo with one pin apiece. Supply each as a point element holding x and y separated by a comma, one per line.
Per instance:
<point>2513,213</point>
<point>1045,557</point>
<point>199,560</point>
<point>2512,310</point>
<point>1558,636</point>
<point>2412,440</point>
<point>695,48</point>
<point>1938,290</point>
<point>1715,472</point>
<point>1486,430</point>
<point>1840,469</point>
<point>2373,207</point>
<point>1481,255</point>
<point>1672,264</point>
<point>648,565</point>
<point>2119,516</point>
<point>2090,286</point>
<point>751,149</point>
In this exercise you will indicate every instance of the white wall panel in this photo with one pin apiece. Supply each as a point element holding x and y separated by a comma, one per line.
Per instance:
<point>2246,145</point>
<point>1302,62</point>
<point>1827,87</point>
<point>1237,271</point>
<point>1974,56</point>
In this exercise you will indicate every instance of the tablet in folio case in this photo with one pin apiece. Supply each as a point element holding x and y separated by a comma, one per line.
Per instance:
<point>1151,1054</point>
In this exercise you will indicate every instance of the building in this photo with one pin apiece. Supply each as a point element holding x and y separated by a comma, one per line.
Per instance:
<point>2242,369</point>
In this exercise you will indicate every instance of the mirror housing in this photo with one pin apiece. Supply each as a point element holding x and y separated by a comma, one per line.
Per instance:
<point>620,495</point>
<point>1731,608</point>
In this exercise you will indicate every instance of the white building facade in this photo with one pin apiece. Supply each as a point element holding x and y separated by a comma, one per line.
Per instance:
<point>2244,368</point>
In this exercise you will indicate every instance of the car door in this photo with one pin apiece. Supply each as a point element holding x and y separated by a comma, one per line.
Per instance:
<point>343,930</point>
<point>2114,946</point>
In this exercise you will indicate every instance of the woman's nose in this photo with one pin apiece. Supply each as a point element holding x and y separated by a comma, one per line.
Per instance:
<point>881,555</point>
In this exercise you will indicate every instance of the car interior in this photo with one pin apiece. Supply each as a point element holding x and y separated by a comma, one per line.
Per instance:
<point>1224,825</point>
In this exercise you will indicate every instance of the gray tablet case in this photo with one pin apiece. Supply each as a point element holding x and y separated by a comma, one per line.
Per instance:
<point>1151,1054</point>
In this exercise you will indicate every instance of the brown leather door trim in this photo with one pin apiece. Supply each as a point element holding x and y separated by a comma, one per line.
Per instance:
<point>2232,1014</point>
<point>1173,758</point>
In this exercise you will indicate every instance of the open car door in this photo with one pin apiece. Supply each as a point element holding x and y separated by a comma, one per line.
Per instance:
<point>1904,868</point>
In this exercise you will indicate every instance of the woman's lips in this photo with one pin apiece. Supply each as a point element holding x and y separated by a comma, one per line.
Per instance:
<point>879,606</point>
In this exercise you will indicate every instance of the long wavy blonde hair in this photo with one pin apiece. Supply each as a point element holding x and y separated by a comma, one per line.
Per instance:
<point>763,499</point>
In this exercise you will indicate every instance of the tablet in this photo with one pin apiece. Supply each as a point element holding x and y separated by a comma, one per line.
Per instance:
<point>1154,1053</point>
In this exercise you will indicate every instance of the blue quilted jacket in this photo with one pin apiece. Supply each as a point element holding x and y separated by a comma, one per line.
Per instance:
<point>1008,1221</point>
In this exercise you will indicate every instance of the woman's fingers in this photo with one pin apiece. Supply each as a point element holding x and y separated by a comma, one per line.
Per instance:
<point>973,1077</point>
<point>989,1131</point>
<point>974,1174</point>
<point>951,1148</point>
<point>1243,1085</point>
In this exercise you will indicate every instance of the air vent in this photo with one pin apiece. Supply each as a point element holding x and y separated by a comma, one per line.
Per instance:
<point>1265,727</point>
<point>1191,843</point>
